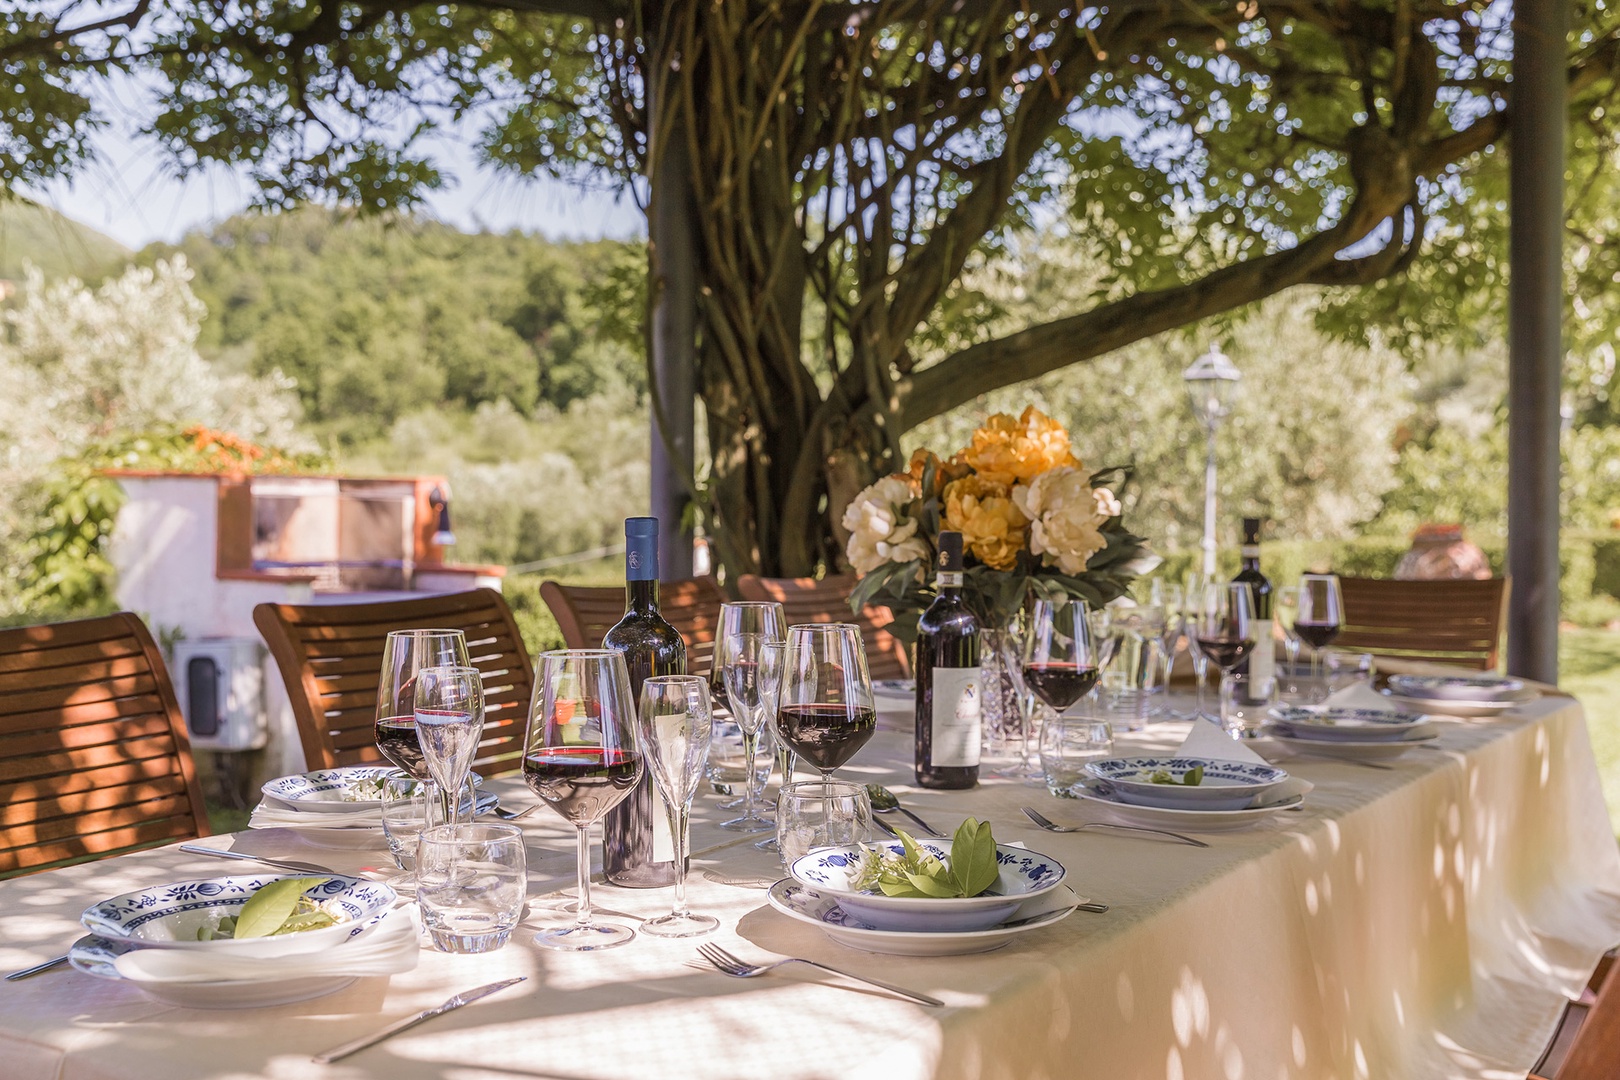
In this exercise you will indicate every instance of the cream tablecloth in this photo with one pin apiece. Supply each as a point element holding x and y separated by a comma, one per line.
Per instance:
<point>1425,921</point>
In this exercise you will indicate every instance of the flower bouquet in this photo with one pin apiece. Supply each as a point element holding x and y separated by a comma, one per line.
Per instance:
<point>1032,519</point>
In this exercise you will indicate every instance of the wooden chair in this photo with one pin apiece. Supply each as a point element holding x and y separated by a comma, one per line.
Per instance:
<point>692,606</point>
<point>1447,622</point>
<point>94,759</point>
<point>330,657</point>
<point>808,600</point>
<point>1586,1044</point>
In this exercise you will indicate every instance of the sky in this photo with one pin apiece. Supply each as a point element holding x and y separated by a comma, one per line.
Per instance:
<point>132,194</point>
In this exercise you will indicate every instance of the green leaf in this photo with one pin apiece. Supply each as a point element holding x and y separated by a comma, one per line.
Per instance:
<point>928,885</point>
<point>973,858</point>
<point>271,906</point>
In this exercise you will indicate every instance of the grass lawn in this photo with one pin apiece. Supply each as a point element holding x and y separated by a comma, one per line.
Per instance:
<point>1589,668</point>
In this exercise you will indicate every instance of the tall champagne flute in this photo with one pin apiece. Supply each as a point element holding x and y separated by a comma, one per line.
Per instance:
<point>405,654</point>
<point>1287,607</point>
<point>775,654</point>
<point>826,711</point>
<point>1320,615</point>
<point>1194,600</point>
<point>1224,629</point>
<point>1169,598</point>
<point>581,757</point>
<point>449,722</point>
<point>673,728</point>
<point>739,655</point>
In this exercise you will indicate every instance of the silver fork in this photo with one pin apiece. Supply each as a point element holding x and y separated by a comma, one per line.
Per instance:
<point>737,969</point>
<point>1035,816</point>
<point>509,815</point>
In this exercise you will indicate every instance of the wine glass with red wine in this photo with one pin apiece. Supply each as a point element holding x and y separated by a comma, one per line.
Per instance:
<point>581,757</point>
<point>1222,624</point>
<point>405,654</point>
<point>825,709</point>
<point>1320,614</point>
<point>1058,663</point>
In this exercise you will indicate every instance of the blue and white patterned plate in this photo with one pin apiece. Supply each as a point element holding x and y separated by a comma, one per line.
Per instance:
<point>1457,687</point>
<point>806,905</point>
<point>324,791</point>
<point>1344,724</point>
<point>97,956</point>
<point>1289,795</point>
<point>169,916</point>
<point>1347,749</point>
<point>1024,875</point>
<point>1226,785</point>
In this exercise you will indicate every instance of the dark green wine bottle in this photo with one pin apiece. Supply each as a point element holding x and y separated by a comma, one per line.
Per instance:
<point>637,851</point>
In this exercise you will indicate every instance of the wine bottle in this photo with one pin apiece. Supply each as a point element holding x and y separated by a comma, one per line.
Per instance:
<point>1261,663</point>
<point>637,849</point>
<point>947,744</point>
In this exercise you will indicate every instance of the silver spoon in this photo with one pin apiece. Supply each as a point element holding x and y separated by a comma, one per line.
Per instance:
<point>885,801</point>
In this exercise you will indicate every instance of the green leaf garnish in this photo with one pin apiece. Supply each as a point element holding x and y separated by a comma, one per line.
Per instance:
<point>917,874</point>
<point>1191,778</point>
<point>268,909</point>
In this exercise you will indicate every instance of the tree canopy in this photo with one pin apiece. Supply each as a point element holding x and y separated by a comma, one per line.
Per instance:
<point>849,163</point>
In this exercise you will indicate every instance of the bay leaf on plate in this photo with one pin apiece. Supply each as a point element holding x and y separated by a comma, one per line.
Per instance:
<point>270,906</point>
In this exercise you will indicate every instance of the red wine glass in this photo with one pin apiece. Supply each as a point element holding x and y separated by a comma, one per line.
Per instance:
<point>825,708</point>
<point>581,757</point>
<point>1320,614</point>
<point>1223,628</point>
<point>405,654</point>
<point>1058,663</point>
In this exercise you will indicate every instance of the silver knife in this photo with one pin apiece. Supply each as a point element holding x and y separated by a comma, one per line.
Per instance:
<point>281,864</point>
<point>36,969</point>
<point>466,997</point>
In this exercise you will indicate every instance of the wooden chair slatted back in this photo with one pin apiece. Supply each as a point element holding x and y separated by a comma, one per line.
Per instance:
<point>1447,622</point>
<point>94,758</point>
<point>809,600</point>
<point>330,657</point>
<point>692,606</point>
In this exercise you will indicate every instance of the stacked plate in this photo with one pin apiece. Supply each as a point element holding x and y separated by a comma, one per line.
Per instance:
<point>1156,792</point>
<point>150,938</point>
<point>1352,734</point>
<point>338,807</point>
<point>1460,695</point>
<point>1028,894</point>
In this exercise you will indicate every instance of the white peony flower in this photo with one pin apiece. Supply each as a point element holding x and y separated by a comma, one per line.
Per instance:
<point>1066,517</point>
<point>879,531</point>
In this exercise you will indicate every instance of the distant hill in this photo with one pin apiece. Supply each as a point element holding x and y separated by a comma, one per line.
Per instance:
<point>59,246</point>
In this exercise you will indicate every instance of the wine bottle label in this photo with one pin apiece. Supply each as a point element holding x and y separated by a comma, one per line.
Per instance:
<point>1250,551</point>
<point>955,740</point>
<point>1263,664</point>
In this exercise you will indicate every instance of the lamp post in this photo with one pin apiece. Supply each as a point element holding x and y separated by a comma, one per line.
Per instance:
<point>1212,387</point>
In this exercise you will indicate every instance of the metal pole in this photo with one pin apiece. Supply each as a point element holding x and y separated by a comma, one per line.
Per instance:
<point>1209,500</point>
<point>672,240</point>
<point>1535,323</point>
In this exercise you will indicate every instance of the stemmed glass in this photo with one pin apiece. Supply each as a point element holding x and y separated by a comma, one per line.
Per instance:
<point>1196,584</point>
<point>449,722</point>
<point>826,711</point>
<point>775,655</point>
<point>1223,627</point>
<point>1320,615</point>
<point>1287,607</point>
<point>1057,662</point>
<point>580,756</point>
<point>1172,599</point>
<point>405,654</point>
<point>673,728</point>
<point>750,676</point>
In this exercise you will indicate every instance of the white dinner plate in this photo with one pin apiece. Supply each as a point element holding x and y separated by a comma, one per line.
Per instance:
<point>803,903</point>
<point>1469,709</point>
<point>95,955</point>
<point>1458,687</point>
<point>1290,793</point>
<point>1347,751</point>
<point>1226,784</point>
<point>1347,724</point>
<point>322,791</point>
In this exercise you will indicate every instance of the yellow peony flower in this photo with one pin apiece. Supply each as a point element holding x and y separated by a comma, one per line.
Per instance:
<point>1008,450</point>
<point>983,512</point>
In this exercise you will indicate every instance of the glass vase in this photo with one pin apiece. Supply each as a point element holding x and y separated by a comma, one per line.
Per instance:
<point>1004,718</point>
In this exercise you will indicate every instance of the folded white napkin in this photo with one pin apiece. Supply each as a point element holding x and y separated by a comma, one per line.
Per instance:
<point>268,815</point>
<point>1207,740</point>
<point>385,949</point>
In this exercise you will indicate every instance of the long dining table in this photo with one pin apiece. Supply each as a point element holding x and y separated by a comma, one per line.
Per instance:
<point>1424,920</point>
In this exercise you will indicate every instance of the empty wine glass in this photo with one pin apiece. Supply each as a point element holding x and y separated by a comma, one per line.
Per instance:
<point>1223,627</point>
<point>449,722</point>
<point>1192,603</point>
<point>826,711</point>
<point>1168,597</point>
<point>750,677</point>
<point>673,729</point>
<point>1320,615</point>
<point>775,654</point>
<point>580,756</point>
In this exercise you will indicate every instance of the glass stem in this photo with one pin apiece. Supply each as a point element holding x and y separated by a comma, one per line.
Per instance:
<point>584,916</point>
<point>680,820</point>
<point>1201,673</point>
<point>750,790</point>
